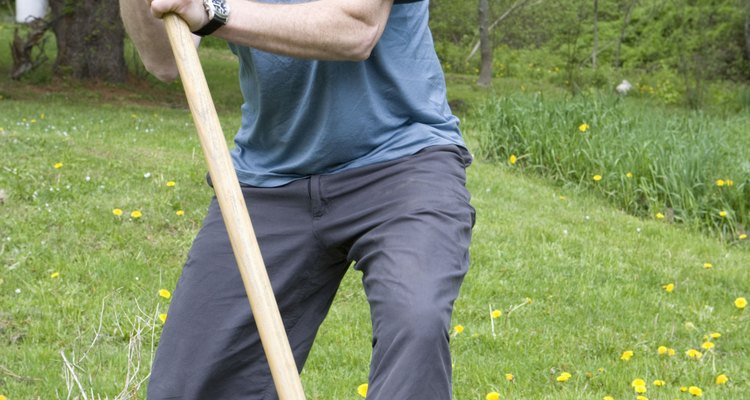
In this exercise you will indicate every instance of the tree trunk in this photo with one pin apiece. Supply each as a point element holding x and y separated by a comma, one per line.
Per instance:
<point>485,70</point>
<point>625,23</point>
<point>747,29</point>
<point>596,34</point>
<point>90,39</point>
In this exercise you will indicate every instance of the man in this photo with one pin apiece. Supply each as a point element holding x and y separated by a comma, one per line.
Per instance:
<point>347,152</point>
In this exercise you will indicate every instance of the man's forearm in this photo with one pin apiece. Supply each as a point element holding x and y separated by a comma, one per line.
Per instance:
<point>150,39</point>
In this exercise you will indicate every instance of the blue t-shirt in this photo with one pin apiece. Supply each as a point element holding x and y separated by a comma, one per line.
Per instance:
<point>305,117</point>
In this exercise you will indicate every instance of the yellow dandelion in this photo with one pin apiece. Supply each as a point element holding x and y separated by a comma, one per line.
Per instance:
<point>671,352</point>
<point>720,182</point>
<point>629,174</point>
<point>669,287</point>
<point>55,275</point>
<point>608,398</point>
<point>563,377</point>
<point>163,318</point>
<point>730,182</point>
<point>492,396</point>
<point>170,184</point>
<point>1,396</point>
<point>662,350</point>
<point>362,390</point>
<point>165,293</point>
<point>708,345</point>
<point>641,398</point>
<point>694,354</point>
<point>659,382</point>
<point>584,127</point>
<point>740,303</point>
<point>136,214</point>
<point>458,329</point>
<point>597,178</point>
<point>509,377</point>
<point>58,165</point>
<point>512,159</point>
<point>695,391</point>
<point>743,236</point>
<point>117,212</point>
<point>722,379</point>
<point>637,382</point>
<point>683,389</point>
<point>707,265</point>
<point>180,213</point>
<point>626,355</point>
<point>659,215</point>
<point>715,335</point>
<point>723,214</point>
<point>640,389</point>
<point>496,313</point>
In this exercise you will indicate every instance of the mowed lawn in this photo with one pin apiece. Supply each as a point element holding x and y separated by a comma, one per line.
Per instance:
<point>567,297</point>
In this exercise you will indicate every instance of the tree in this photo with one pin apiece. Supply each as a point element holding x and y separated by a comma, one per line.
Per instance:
<point>485,69</point>
<point>90,39</point>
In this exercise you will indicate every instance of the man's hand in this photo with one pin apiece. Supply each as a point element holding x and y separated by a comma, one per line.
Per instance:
<point>191,11</point>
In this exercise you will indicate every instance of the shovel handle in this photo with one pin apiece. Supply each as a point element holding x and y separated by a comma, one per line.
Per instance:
<point>234,211</point>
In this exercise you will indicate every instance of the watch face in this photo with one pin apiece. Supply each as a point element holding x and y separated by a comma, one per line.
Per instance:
<point>221,9</point>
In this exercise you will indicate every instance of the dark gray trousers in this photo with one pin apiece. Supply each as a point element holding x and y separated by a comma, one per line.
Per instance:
<point>407,225</point>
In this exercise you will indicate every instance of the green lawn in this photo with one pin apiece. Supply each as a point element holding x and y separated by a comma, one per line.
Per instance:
<point>577,281</point>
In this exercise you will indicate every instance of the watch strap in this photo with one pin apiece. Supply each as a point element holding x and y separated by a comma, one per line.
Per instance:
<point>210,27</point>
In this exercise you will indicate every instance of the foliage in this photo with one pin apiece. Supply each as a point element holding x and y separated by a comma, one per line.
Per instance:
<point>644,159</point>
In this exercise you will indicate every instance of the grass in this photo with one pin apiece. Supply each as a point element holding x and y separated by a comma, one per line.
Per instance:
<point>578,281</point>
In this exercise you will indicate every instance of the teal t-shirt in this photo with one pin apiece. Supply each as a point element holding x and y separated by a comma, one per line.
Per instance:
<point>305,117</point>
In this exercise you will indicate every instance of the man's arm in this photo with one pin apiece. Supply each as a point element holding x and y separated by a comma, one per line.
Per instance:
<point>150,39</point>
<point>322,29</point>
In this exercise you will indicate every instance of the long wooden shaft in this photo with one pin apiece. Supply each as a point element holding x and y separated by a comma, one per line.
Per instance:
<point>233,208</point>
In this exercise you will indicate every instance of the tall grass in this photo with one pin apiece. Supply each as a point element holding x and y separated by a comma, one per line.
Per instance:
<point>683,166</point>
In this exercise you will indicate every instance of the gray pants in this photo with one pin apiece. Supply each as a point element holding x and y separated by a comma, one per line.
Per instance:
<point>407,225</point>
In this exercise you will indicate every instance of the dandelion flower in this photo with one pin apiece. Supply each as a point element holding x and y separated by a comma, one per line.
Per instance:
<point>743,236</point>
<point>512,159</point>
<point>722,379</point>
<point>641,398</point>
<point>638,382</point>
<point>362,390</point>
<point>492,396</point>
<point>1,396</point>
<point>180,213</point>
<point>626,355</point>
<point>669,287</point>
<point>730,182</point>
<point>659,215</point>
<point>170,184</point>
<point>458,329</point>
<point>708,265</point>
<point>708,345</point>
<point>608,398</point>
<point>695,391</point>
<point>715,335</point>
<point>720,182</point>
<point>563,377</point>
<point>496,313</point>
<point>662,350</point>
<point>163,318</point>
<point>723,214</point>
<point>136,214</point>
<point>629,174</point>
<point>740,303</point>
<point>165,293</point>
<point>659,382</point>
<point>583,127</point>
<point>55,275</point>
<point>671,352</point>
<point>58,165</point>
<point>640,389</point>
<point>683,389</point>
<point>509,377</point>
<point>694,354</point>
<point>597,178</point>
<point>117,212</point>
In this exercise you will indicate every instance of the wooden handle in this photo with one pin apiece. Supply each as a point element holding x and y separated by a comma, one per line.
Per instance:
<point>233,208</point>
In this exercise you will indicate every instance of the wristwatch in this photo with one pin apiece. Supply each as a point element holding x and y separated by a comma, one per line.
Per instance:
<point>218,14</point>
